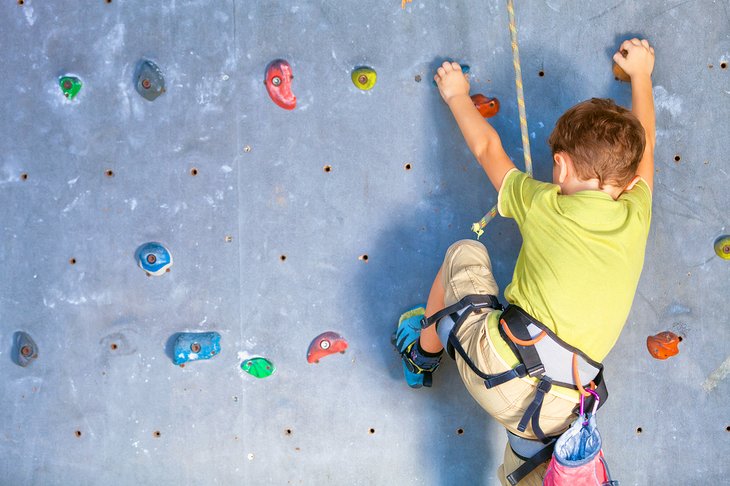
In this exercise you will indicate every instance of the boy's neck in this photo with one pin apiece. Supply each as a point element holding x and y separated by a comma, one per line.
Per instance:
<point>573,185</point>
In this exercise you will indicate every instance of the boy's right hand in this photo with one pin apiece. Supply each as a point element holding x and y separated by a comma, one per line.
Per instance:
<point>451,81</point>
<point>635,57</point>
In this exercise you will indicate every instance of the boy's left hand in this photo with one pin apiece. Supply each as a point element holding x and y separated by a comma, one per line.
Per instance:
<point>451,81</point>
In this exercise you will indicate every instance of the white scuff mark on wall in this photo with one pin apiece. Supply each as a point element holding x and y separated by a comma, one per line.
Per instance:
<point>73,181</point>
<point>717,376</point>
<point>210,200</point>
<point>667,102</point>
<point>30,16</point>
<point>219,194</point>
<point>226,168</point>
<point>75,202</point>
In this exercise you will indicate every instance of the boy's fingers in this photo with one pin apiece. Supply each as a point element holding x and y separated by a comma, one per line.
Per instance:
<point>645,43</point>
<point>636,41</point>
<point>651,49</point>
<point>441,71</point>
<point>626,45</point>
<point>619,59</point>
<point>446,66</point>
<point>455,66</point>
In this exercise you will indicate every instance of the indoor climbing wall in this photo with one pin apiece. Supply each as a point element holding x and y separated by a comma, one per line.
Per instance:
<point>294,168</point>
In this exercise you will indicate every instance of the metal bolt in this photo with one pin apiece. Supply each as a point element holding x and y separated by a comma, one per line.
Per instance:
<point>362,79</point>
<point>276,80</point>
<point>195,348</point>
<point>26,351</point>
<point>324,344</point>
<point>67,84</point>
<point>151,259</point>
<point>146,83</point>
<point>726,249</point>
<point>247,148</point>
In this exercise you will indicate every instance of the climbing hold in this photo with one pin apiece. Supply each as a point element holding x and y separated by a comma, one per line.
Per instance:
<point>25,349</point>
<point>618,72</point>
<point>258,367</point>
<point>153,258</point>
<point>465,68</point>
<point>488,107</point>
<point>149,80</point>
<point>70,86</point>
<point>278,84</point>
<point>364,78</point>
<point>663,345</point>
<point>194,346</point>
<point>325,344</point>
<point>722,247</point>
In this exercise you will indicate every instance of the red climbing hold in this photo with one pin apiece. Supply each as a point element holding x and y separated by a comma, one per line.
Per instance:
<point>278,84</point>
<point>663,345</point>
<point>325,344</point>
<point>488,107</point>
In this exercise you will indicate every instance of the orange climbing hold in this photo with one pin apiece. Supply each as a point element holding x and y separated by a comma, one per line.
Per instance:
<point>403,3</point>
<point>488,107</point>
<point>663,345</point>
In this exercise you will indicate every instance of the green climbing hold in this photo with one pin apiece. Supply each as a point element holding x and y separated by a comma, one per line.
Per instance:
<point>364,78</point>
<point>258,367</point>
<point>722,247</point>
<point>70,86</point>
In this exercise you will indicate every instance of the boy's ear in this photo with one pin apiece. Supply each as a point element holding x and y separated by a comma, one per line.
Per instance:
<point>633,182</point>
<point>562,164</point>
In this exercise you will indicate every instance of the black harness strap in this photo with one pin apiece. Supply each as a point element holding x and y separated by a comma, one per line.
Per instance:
<point>530,464</point>
<point>532,414</point>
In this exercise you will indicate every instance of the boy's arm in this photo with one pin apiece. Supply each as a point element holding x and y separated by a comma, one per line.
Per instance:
<point>480,136</point>
<point>639,64</point>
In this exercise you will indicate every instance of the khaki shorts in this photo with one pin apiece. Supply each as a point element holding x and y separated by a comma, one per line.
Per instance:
<point>467,270</point>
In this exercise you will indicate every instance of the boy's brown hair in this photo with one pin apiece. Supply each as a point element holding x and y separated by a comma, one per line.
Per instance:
<point>605,141</point>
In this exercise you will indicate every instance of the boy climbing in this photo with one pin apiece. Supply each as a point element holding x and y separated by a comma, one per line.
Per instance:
<point>584,238</point>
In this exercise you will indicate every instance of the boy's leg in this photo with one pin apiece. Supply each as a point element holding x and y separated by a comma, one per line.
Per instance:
<point>511,463</point>
<point>429,340</point>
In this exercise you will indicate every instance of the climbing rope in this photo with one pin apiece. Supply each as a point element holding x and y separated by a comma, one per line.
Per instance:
<point>478,227</point>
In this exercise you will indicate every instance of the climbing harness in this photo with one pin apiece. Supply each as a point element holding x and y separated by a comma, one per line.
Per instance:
<point>479,226</point>
<point>542,355</point>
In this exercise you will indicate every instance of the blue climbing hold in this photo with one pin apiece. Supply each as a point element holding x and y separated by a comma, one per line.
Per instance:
<point>464,69</point>
<point>25,349</point>
<point>194,346</point>
<point>154,258</point>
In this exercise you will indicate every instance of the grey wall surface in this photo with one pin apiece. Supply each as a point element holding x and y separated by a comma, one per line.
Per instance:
<point>350,419</point>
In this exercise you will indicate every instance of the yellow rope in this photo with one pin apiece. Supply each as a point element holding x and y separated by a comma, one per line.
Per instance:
<point>478,227</point>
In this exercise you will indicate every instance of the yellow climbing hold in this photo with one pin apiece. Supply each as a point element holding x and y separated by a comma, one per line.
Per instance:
<point>364,78</point>
<point>403,3</point>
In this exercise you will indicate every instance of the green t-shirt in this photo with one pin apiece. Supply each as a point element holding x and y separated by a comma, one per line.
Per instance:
<point>580,260</point>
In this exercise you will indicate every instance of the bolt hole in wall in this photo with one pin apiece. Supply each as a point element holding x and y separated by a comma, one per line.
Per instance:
<point>727,429</point>
<point>418,78</point>
<point>677,158</point>
<point>23,176</point>
<point>541,73</point>
<point>193,171</point>
<point>371,431</point>
<point>72,261</point>
<point>364,258</point>
<point>408,166</point>
<point>114,346</point>
<point>229,238</point>
<point>723,65</point>
<point>328,168</point>
<point>77,433</point>
<point>156,433</point>
<point>459,431</point>
<point>288,432</point>
<point>109,173</point>
<point>639,430</point>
